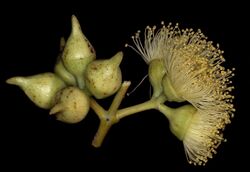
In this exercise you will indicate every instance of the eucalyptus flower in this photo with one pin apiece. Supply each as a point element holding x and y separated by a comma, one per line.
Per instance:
<point>193,73</point>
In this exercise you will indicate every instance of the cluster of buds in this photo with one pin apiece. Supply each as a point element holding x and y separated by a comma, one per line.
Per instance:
<point>77,76</point>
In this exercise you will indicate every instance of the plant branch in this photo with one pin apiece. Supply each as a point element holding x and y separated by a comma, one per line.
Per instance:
<point>118,98</point>
<point>108,118</point>
<point>150,104</point>
<point>99,110</point>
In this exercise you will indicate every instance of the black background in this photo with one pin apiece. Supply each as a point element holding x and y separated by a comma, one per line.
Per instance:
<point>30,43</point>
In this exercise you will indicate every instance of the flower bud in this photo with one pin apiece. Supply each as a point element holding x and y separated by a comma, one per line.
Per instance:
<point>170,92</point>
<point>156,73</point>
<point>60,69</point>
<point>72,105</point>
<point>41,88</point>
<point>103,77</point>
<point>78,53</point>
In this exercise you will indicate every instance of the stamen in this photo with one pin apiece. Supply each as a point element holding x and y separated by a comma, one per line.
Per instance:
<point>128,94</point>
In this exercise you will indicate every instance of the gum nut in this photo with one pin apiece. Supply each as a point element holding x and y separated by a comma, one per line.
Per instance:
<point>72,105</point>
<point>103,77</point>
<point>181,119</point>
<point>170,92</point>
<point>41,88</point>
<point>156,72</point>
<point>78,53</point>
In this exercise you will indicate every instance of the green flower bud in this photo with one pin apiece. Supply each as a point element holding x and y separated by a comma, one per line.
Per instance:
<point>156,72</point>
<point>72,105</point>
<point>179,119</point>
<point>60,69</point>
<point>41,88</point>
<point>169,90</point>
<point>103,77</point>
<point>78,53</point>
